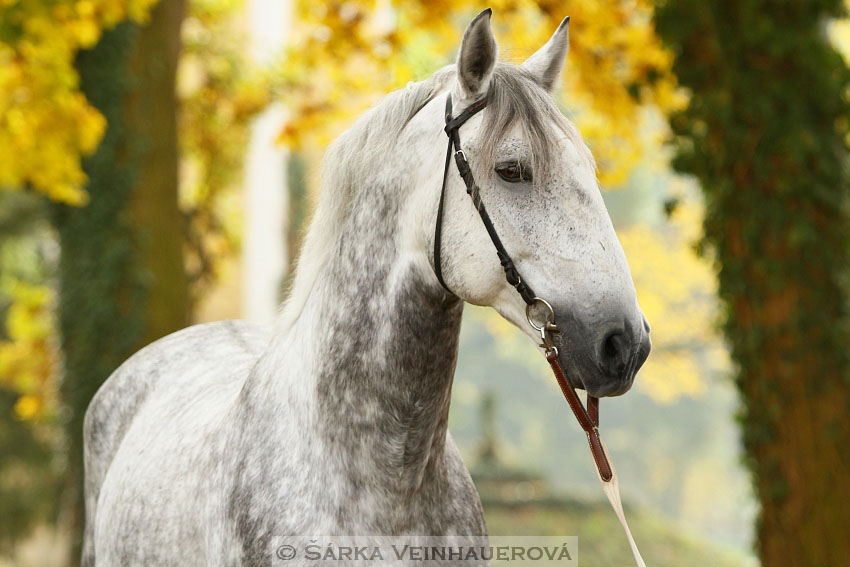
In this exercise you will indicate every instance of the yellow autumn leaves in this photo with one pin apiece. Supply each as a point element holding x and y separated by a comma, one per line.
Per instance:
<point>345,55</point>
<point>342,57</point>
<point>46,124</point>
<point>28,357</point>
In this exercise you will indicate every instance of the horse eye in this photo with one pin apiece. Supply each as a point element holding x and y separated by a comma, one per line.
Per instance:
<point>513,173</point>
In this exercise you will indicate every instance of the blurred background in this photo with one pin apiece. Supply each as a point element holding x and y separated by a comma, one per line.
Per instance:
<point>159,161</point>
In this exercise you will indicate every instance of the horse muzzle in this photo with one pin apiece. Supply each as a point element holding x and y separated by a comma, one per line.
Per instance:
<point>606,364</point>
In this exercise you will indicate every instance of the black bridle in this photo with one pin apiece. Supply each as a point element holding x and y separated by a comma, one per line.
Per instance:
<point>588,418</point>
<point>452,127</point>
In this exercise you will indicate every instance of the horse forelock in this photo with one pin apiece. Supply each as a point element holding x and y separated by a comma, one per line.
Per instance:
<point>515,98</point>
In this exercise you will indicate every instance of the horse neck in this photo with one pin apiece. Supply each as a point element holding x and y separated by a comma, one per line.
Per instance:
<point>384,343</point>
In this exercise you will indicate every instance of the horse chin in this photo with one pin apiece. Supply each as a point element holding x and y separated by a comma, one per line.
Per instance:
<point>611,388</point>
<point>587,377</point>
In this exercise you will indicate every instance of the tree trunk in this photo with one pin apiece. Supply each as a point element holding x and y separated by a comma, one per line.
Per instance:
<point>159,225</point>
<point>764,134</point>
<point>121,276</point>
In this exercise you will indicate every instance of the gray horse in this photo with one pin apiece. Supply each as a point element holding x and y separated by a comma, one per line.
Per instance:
<point>209,443</point>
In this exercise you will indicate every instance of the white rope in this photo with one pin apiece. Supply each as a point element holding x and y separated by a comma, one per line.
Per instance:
<point>612,491</point>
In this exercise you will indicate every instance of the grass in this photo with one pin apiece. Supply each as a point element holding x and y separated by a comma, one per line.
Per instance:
<point>602,542</point>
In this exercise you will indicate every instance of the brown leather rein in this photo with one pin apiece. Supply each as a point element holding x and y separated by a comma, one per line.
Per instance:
<point>588,418</point>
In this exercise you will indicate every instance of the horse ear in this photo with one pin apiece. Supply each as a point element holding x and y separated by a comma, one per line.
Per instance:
<point>547,63</point>
<point>477,57</point>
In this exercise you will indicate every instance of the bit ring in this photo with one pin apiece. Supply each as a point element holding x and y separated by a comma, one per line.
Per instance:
<point>548,323</point>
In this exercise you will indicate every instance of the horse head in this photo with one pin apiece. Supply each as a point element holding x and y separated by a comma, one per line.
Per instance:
<point>538,181</point>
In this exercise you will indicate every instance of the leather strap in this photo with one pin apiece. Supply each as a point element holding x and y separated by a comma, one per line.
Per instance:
<point>438,229</point>
<point>452,128</point>
<point>593,409</point>
<point>587,419</point>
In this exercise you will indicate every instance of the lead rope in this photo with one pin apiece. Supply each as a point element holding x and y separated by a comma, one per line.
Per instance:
<point>612,491</point>
<point>604,467</point>
<point>588,418</point>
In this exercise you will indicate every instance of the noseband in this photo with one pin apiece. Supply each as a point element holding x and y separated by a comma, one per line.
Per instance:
<point>587,418</point>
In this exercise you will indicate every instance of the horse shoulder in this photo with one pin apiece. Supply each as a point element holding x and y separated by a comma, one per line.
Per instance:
<point>156,367</point>
<point>125,391</point>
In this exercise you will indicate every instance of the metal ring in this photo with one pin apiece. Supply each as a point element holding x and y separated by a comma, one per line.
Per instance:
<point>550,319</point>
<point>463,155</point>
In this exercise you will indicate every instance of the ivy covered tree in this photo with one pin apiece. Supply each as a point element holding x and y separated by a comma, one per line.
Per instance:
<point>89,139</point>
<point>122,282</point>
<point>764,133</point>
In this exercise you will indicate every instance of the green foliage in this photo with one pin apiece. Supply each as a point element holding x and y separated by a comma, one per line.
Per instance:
<point>764,135</point>
<point>19,212</point>
<point>29,440</point>
<point>28,481</point>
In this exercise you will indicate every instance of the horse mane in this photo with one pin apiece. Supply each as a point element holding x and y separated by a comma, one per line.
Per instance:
<point>514,97</point>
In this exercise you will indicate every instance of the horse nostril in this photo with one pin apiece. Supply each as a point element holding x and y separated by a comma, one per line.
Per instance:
<point>615,352</point>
